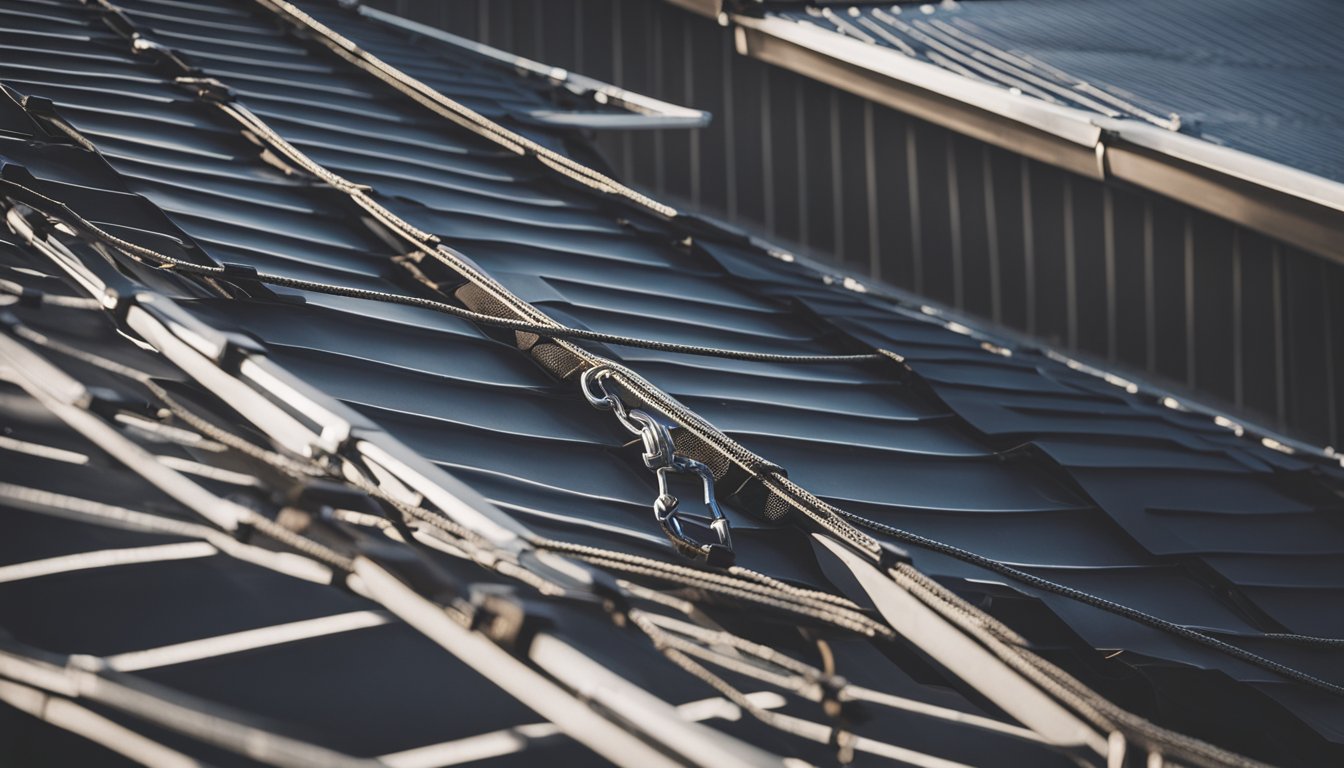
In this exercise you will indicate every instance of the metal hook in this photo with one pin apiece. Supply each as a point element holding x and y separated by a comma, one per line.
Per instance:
<point>660,456</point>
<point>666,510</point>
<point>658,449</point>
<point>597,395</point>
<point>591,384</point>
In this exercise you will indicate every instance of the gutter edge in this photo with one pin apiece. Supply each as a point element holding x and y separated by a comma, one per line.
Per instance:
<point>1300,208</point>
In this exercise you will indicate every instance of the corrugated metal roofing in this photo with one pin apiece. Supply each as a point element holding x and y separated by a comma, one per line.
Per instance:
<point>1064,485</point>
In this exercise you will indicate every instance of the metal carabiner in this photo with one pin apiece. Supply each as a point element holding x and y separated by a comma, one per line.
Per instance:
<point>660,455</point>
<point>666,510</point>
<point>597,395</point>
<point>658,449</point>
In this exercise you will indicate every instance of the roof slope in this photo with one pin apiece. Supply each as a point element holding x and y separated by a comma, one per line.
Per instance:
<point>1077,495</point>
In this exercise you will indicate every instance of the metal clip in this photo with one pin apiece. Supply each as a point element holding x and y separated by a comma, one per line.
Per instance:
<point>659,452</point>
<point>660,455</point>
<point>598,396</point>
<point>666,510</point>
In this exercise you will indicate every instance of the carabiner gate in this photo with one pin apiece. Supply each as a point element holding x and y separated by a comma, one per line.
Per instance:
<point>666,510</point>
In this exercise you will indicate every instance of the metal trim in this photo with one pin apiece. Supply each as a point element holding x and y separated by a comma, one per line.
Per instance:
<point>1284,216</point>
<point>1299,208</point>
<point>644,112</point>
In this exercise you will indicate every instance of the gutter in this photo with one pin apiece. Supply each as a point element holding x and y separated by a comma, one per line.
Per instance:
<point>1296,207</point>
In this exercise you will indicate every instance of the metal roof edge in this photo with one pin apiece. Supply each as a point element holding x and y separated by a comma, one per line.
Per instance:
<point>646,112</point>
<point>1295,206</point>
<point>1232,162</point>
<point>1068,123</point>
